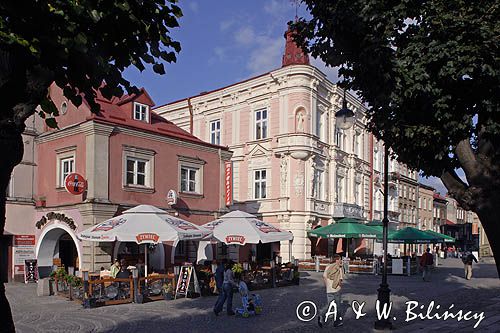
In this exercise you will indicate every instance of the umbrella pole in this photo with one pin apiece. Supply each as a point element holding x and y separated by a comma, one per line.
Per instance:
<point>146,260</point>
<point>290,250</point>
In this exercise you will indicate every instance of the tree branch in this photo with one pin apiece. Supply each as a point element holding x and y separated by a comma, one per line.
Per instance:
<point>37,84</point>
<point>468,160</point>
<point>458,189</point>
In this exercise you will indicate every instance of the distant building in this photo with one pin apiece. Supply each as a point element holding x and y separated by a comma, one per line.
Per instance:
<point>439,212</point>
<point>425,207</point>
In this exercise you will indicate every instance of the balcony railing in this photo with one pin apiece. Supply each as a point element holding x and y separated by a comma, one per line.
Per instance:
<point>341,210</point>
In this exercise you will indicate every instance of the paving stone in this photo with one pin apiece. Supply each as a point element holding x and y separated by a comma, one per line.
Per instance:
<point>447,286</point>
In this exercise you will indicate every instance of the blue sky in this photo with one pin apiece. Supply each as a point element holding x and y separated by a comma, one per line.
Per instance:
<point>223,42</point>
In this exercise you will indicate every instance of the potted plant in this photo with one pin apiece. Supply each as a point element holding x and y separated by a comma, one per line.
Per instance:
<point>168,291</point>
<point>41,201</point>
<point>237,268</point>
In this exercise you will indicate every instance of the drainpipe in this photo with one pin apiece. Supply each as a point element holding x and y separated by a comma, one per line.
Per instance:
<point>370,216</point>
<point>190,106</point>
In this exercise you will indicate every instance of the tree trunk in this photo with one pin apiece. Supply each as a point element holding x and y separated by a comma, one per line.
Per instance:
<point>489,215</point>
<point>11,145</point>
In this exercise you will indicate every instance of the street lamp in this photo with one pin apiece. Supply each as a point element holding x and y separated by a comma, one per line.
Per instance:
<point>345,116</point>
<point>345,119</point>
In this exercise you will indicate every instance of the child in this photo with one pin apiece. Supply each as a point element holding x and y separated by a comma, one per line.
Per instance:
<point>243,290</point>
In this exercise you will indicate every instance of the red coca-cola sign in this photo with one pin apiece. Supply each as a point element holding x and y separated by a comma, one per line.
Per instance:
<point>235,239</point>
<point>75,184</point>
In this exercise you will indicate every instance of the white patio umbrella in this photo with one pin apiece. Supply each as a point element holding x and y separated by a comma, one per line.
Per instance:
<point>144,224</point>
<point>240,228</point>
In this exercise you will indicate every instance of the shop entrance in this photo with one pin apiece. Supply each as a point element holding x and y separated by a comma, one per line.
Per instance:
<point>56,247</point>
<point>67,252</point>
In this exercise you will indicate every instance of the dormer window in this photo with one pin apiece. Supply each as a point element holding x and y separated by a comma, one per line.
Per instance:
<point>141,112</point>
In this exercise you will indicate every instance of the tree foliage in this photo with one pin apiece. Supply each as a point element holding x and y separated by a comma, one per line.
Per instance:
<point>82,46</point>
<point>429,71</point>
<point>79,44</point>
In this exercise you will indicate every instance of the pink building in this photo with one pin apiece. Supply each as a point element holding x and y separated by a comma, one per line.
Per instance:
<point>291,165</point>
<point>129,156</point>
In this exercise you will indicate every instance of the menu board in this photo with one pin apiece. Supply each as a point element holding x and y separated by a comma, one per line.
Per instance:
<point>30,271</point>
<point>184,283</point>
<point>24,249</point>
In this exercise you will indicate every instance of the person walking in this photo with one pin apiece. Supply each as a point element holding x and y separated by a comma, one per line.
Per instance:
<point>467,260</point>
<point>227,287</point>
<point>332,277</point>
<point>426,262</point>
<point>219,280</point>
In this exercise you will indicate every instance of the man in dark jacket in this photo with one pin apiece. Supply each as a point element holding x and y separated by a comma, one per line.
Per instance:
<point>467,259</point>
<point>426,262</point>
<point>219,280</point>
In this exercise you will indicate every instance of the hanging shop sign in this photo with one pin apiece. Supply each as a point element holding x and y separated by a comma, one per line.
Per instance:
<point>228,182</point>
<point>75,184</point>
<point>171,198</point>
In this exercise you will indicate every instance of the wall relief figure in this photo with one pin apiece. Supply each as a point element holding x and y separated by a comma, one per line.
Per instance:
<point>283,174</point>
<point>300,121</point>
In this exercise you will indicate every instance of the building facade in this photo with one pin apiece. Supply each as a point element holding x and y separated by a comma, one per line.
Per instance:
<point>291,165</point>
<point>20,205</point>
<point>425,207</point>
<point>128,156</point>
<point>439,212</point>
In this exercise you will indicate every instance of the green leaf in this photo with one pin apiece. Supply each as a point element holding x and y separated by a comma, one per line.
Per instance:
<point>51,122</point>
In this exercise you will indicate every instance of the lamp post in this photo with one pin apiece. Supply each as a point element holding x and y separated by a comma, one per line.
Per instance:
<point>384,293</point>
<point>345,120</point>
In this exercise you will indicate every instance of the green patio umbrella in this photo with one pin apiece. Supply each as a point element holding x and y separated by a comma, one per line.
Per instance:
<point>345,228</point>
<point>446,238</point>
<point>411,235</point>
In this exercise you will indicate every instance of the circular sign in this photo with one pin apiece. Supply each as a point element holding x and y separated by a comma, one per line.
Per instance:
<point>171,197</point>
<point>75,184</point>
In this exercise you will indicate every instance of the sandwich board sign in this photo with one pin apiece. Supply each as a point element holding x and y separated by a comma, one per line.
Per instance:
<point>184,283</point>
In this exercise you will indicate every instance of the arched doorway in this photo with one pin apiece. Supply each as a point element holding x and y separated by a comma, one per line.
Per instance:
<point>57,245</point>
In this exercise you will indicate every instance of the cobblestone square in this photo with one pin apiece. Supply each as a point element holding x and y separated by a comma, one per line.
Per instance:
<point>447,286</point>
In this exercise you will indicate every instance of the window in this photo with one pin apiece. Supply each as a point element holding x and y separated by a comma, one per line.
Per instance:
<point>141,112</point>
<point>357,194</point>
<point>318,184</point>
<point>190,180</point>
<point>357,144</point>
<point>136,171</point>
<point>215,132</point>
<point>66,166</point>
<point>319,124</point>
<point>260,124</point>
<point>260,184</point>
<point>339,189</point>
<point>191,175</point>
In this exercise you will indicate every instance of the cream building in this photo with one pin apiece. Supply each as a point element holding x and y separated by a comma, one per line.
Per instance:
<point>291,165</point>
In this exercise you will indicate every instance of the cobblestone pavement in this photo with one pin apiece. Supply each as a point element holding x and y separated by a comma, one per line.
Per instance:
<point>447,286</point>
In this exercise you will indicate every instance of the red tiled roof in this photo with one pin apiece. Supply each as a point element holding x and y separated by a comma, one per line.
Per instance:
<point>112,112</point>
